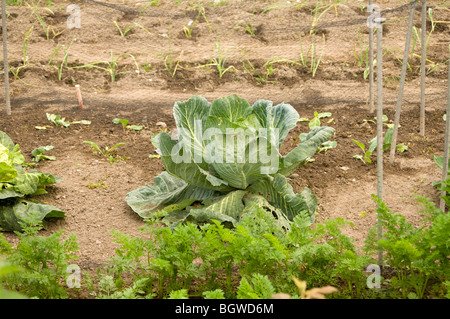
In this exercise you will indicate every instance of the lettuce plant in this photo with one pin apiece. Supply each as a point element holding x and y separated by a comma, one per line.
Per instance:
<point>225,159</point>
<point>16,184</point>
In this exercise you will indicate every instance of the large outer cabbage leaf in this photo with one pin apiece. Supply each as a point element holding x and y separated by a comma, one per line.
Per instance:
<point>25,211</point>
<point>280,194</point>
<point>186,169</point>
<point>166,190</point>
<point>280,119</point>
<point>190,117</point>
<point>439,160</point>
<point>305,149</point>
<point>225,209</point>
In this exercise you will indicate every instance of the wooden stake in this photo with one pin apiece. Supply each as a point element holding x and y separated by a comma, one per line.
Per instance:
<point>422,67</point>
<point>80,99</point>
<point>5,59</point>
<point>402,81</point>
<point>379,22</point>
<point>371,100</point>
<point>446,140</point>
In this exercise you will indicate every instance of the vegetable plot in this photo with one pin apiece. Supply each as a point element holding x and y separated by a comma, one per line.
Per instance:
<point>226,159</point>
<point>16,184</point>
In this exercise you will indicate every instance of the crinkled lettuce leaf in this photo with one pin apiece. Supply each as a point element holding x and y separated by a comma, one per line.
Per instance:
<point>16,184</point>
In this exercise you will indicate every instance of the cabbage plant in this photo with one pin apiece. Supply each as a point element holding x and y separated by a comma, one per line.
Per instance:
<point>17,185</point>
<point>224,159</point>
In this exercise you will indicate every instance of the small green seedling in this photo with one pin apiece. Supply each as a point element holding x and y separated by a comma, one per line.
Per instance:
<point>366,154</point>
<point>315,121</point>
<point>220,60</point>
<point>110,66</point>
<point>400,148</point>
<point>261,76</point>
<point>46,28</point>
<point>125,125</point>
<point>107,152</point>
<point>124,122</point>
<point>64,63</point>
<point>247,27</point>
<point>99,184</point>
<point>39,153</point>
<point>128,28</point>
<point>328,145</point>
<point>25,61</point>
<point>57,120</point>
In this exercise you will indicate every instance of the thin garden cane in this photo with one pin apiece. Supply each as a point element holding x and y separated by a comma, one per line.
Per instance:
<point>402,81</point>
<point>379,22</point>
<point>371,101</point>
<point>446,142</point>
<point>422,67</point>
<point>5,60</point>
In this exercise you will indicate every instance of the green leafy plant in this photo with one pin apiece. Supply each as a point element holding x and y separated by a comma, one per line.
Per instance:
<point>64,63</point>
<point>25,60</point>
<point>108,152</point>
<point>433,66</point>
<point>310,58</point>
<point>39,153</point>
<point>124,122</point>
<point>261,76</point>
<point>170,65</point>
<point>16,185</point>
<point>227,261</point>
<point>110,66</point>
<point>125,125</point>
<point>35,9</point>
<point>43,262</point>
<point>362,58</point>
<point>6,269</point>
<point>219,61</point>
<point>256,287</point>
<point>418,254</point>
<point>188,28</point>
<point>247,27</point>
<point>366,154</point>
<point>124,31</point>
<point>315,121</point>
<point>317,250</point>
<point>214,294</point>
<point>387,141</point>
<point>58,120</point>
<point>197,168</point>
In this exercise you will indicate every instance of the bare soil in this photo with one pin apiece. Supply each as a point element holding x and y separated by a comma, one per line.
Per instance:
<point>342,184</point>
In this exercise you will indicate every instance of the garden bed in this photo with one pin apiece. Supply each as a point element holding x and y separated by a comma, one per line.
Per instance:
<point>92,192</point>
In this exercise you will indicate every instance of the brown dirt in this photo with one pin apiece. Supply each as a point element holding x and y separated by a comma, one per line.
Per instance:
<point>342,184</point>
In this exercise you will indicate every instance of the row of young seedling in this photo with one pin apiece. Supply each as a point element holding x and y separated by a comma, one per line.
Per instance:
<point>308,56</point>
